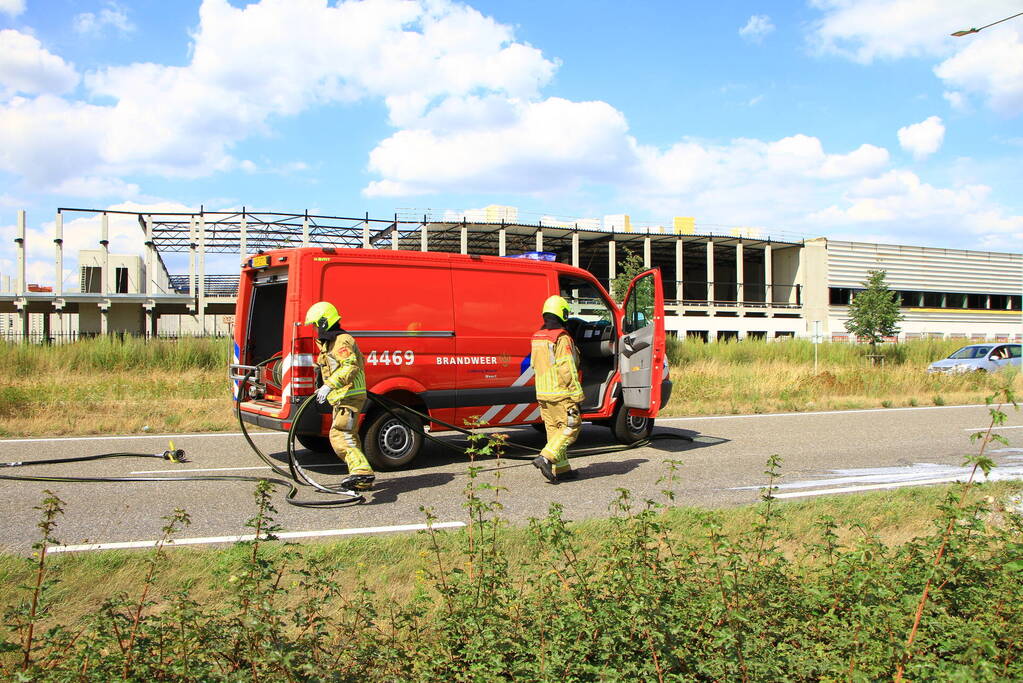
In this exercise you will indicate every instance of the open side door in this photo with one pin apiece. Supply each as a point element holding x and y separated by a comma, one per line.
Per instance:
<point>641,347</point>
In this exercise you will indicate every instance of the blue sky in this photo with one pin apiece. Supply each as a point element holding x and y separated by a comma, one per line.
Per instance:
<point>852,119</point>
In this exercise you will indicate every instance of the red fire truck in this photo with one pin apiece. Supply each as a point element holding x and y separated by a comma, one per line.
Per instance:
<point>445,334</point>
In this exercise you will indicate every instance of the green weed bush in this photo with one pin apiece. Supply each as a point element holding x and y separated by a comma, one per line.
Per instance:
<point>647,605</point>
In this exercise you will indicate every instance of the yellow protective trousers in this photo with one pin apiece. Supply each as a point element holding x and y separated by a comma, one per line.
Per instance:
<point>561,418</point>
<point>344,439</point>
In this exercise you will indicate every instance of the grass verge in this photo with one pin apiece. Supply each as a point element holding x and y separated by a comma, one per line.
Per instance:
<point>110,386</point>
<point>799,590</point>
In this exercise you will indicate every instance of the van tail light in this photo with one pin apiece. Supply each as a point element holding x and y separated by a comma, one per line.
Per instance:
<point>301,370</point>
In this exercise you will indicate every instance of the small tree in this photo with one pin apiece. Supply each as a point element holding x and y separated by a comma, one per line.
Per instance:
<point>628,268</point>
<point>874,312</point>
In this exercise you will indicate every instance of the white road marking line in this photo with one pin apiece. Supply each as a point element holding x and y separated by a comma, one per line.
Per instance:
<point>813,413</point>
<point>994,429</point>
<point>251,537</point>
<point>229,469</point>
<point>869,487</point>
<point>164,437</point>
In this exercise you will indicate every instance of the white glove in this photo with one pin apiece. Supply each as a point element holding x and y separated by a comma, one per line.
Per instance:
<point>321,393</point>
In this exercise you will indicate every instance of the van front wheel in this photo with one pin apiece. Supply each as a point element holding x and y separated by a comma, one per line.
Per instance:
<point>628,428</point>
<point>389,443</point>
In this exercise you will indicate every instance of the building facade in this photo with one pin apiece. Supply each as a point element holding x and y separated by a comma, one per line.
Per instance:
<point>717,286</point>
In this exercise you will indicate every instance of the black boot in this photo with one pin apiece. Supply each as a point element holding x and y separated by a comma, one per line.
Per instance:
<point>358,482</point>
<point>544,465</point>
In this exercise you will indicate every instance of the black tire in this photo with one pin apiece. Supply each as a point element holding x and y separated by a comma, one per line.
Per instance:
<point>390,444</point>
<point>628,429</point>
<point>317,444</point>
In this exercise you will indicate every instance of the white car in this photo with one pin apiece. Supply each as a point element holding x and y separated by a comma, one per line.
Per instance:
<point>979,357</point>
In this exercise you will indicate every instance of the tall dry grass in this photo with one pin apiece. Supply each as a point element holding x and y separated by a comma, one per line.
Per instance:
<point>123,386</point>
<point>764,377</point>
<point>109,385</point>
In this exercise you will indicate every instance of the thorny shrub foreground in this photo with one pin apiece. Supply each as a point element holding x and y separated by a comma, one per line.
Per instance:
<point>644,606</point>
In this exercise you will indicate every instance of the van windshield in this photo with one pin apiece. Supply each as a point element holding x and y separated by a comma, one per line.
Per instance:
<point>584,300</point>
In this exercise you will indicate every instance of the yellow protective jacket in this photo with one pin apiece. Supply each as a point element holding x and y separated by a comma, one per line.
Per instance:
<point>342,368</point>
<point>555,362</point>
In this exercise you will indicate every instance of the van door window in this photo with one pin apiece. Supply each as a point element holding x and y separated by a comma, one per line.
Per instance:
<point>639,309</point>
<point>591,324</point>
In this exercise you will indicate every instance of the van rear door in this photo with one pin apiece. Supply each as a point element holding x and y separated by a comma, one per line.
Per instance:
<point>641,348</point>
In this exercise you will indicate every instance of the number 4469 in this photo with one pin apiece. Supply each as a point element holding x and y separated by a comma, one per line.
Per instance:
<point>391,358</point>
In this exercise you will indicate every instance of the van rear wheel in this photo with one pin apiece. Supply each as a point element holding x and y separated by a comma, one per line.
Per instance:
<point>390,443</point>
<point>628,428</point>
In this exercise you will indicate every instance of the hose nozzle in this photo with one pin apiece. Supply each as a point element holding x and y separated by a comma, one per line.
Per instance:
<point>174,454</point>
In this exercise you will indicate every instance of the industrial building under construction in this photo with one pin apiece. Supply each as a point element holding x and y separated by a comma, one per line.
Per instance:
<point>717,286</point>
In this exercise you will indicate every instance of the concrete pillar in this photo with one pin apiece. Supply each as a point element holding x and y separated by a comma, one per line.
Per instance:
<point>424,236</point>
<point>104,240</point>
<point>710,270</point>
<point>612,265</point>
<point>305,230</point>
<point>812,274</point>
<point>539,239</point>
<point>202,273</point>
<point>740,273</point>
<point>58,254</point>
<point>646,252</point>
<point>243,237</point>
<point>575,249</point>
<point>150,277</point>
<point>191,256</point>
<point>680,249</point>
<point>463,241</point>
<point>395,237</point>
<point>768,274</point>
<point>19,239</point>
<point>150,257</point>
<point>502,242</point>
<point>365,233</point>
<point>58,266</point>
<point>104,318</point>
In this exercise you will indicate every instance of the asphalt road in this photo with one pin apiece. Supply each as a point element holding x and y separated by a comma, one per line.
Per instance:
<point>721,465</point>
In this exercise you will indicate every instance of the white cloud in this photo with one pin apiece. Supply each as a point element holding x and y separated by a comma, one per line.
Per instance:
<point>922,139</point>
<point>505,146</point>
<point>29,68</point>
<point>272,58</point>
<point>991,65</point>
<point>868,30</point>
<point>95,24</point>
<point>96,186</point>
<point>12,7</point>
<point>757,28</point>
<point>900,203</point>
<point>956,100</point>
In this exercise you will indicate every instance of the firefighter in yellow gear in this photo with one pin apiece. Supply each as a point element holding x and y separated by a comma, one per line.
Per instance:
<point>342,369</point>
<point>555,362</point>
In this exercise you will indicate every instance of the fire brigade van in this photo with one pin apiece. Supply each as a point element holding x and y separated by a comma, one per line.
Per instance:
<point>447,335</point>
